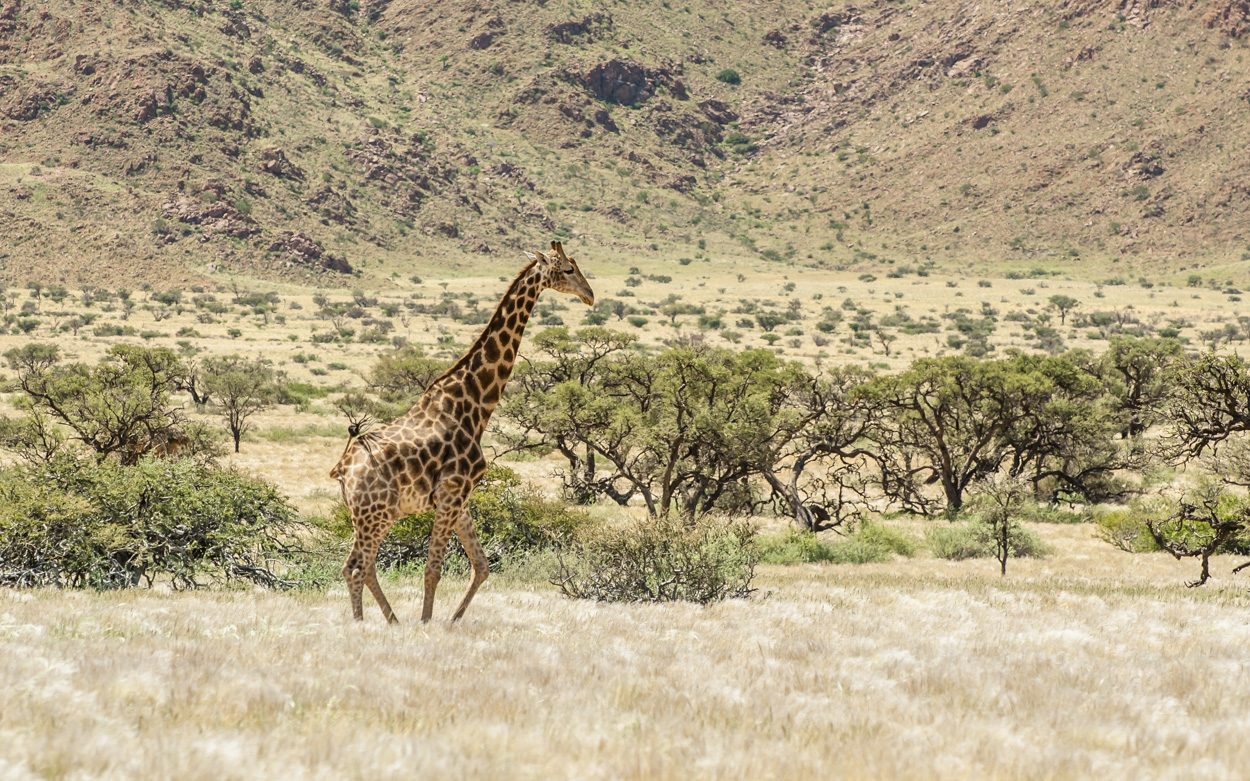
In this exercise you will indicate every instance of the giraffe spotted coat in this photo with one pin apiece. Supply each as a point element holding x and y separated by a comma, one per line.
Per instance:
<point>431,457</point>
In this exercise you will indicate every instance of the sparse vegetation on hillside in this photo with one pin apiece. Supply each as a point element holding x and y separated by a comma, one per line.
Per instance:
<point>309,143</point>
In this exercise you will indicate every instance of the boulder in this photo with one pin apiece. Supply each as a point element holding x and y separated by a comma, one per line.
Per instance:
<point>619,81</point>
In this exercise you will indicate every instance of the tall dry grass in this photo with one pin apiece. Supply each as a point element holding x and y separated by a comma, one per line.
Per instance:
<point>1091,664</point>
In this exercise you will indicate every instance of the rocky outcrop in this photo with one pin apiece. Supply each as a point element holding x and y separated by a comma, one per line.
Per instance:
<point>219,217</point>
<point>830,20</point>
<point>25,100</point>
<point>775,38</point>
<point>482,40</point>
<point>300,249</point>
<point>1230,17</point>
<point>592,27</point>
<point>718,111</point>
<point>682,183</point>
<point>332,205</point>
<point>299,66</point>
<point>619,81</point>
<point>274,161</point>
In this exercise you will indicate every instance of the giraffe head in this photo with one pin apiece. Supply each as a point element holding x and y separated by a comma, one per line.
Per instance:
<point>561,274</point>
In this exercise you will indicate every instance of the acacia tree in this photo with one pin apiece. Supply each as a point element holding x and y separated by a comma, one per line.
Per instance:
<point>1209,402</point>
<point>954,420</point>
<point>1001,501</point>
<point>190,378</point>
<point>1208,414</point>
<point>117,406</point>
<point>1066,441</point>
<point>684,430</point>
<point>1140,370</point>
<point>241,387</point>
<point>1200,524</point>
<point>403,375</point>
<point>526,420</point>
<point>1063,304</point>
<point>815,460</point>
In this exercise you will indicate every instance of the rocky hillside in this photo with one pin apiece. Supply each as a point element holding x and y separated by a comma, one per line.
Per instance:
<point>366,140</point>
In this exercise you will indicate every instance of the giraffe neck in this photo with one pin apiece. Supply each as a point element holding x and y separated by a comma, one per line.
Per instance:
<point>484,370</point>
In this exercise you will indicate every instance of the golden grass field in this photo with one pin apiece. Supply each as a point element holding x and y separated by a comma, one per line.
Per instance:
<point>1092,662</point>
<point>1089,664</point>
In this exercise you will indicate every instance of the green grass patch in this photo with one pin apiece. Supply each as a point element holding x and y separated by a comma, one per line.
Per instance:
<point>874,542</point>
<point>294,434</point>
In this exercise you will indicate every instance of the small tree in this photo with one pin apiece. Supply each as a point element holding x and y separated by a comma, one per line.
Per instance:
<point>769,320</point>
<point>1203,522</point>
<point>1063,304</point>
<point>116,406</point>
<point>404,374</point>
<point>191,379</point>
<point>241,387</point>
<point>885,338</point>
<point>1000,502</point>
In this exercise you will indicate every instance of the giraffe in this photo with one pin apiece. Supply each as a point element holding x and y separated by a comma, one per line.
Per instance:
<point>431,457</point>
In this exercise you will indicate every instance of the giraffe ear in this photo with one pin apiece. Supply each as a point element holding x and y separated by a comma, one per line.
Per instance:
<point>540,257</point>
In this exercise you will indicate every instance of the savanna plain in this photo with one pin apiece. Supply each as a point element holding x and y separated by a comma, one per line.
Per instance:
<point>324,201</point>
<point>1086,664</point>
<point>1089,661</point>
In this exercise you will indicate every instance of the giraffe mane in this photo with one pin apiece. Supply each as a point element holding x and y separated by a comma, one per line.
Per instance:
<point>468,354</point>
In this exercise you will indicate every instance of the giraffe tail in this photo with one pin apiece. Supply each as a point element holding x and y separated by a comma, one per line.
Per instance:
<point>353,437</point>
<point>337,472</point>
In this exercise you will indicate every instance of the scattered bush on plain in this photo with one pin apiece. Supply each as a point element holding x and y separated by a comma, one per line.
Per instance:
<point>81,523</point>
<point>663,558</point>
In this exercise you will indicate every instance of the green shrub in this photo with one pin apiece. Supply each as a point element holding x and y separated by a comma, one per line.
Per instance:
<point>972,540</point>
<point>891,540</point>
<point>729,76</point>
<point>509,521</point>
<point>75,522</point>
<point>957,543</point>
<point>1190,530</point>
<point>299,393</point>
<point>874,542</point>
<point>795,547</point>
<point>661,559</point>
<point>1126,530</point>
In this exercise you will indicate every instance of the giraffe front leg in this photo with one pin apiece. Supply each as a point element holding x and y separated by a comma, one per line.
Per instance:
<point>439,538</point>
<point>473,548</point>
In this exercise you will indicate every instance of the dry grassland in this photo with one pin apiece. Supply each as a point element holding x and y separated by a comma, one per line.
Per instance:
<point>1088,664</point>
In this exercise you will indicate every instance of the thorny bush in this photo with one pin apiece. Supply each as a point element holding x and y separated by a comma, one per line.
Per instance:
<point>81,523</point>
<point>665,558</point>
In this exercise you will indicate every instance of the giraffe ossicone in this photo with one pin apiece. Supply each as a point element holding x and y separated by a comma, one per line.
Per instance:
<point>431,457</point>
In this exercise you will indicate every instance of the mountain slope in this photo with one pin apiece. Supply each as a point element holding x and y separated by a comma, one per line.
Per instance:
<point>160,142</point>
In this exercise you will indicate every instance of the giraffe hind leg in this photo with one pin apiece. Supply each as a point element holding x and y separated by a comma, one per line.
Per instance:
<point>481,565</point>
<point>439,538</point>
<point>354,574</point>
<point>371,580</point>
